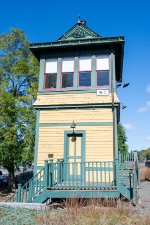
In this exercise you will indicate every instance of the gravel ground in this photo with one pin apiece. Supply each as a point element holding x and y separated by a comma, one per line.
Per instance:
<point>143,208</point>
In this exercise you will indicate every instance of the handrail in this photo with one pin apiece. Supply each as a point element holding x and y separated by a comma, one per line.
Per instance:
<point>28,191</point>
<point>12,198</point>
<point>126,157</point>
<point>125,175</point>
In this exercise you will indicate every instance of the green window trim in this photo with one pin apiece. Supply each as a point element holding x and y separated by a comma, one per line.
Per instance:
<point>76,87</point>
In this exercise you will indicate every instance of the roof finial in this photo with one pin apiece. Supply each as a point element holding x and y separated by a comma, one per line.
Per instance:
<point>79,21</point>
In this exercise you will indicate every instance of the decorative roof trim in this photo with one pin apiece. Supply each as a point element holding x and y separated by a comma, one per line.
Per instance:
<point>78,42</point>
<point>79,31</point>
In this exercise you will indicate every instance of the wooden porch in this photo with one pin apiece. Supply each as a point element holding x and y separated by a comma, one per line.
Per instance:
<point>108,179</point>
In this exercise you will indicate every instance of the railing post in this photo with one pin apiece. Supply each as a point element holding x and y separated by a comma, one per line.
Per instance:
<point>58,171</point>
<point>136,179</point>
<point>51,173</point>
<point>117,173</point>
<point>29,192</point>
<point>46,179</point>
<point>119,157</point>
<point>19,193</point>
<point>130,183</point>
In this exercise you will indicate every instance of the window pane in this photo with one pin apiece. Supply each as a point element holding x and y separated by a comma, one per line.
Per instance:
<point>85,63</point>
<point>102,62</point>
<point>103,78</point>
<point>50,80</point>
<point>51,66</point>
<point>68,65</point>
<point>67,80</point>
<point>85,79</point>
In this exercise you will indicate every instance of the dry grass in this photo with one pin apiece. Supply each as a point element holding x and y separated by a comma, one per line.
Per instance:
<point>145,173</point>
<point>79,212</point>
<point>4,196</point>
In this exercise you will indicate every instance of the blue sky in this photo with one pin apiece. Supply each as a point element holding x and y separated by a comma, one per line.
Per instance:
<point>47,20</point>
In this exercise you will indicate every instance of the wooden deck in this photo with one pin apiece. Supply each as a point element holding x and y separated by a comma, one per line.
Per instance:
<point>80,180</point>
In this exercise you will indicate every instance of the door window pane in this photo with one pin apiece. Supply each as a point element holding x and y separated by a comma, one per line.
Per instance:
<point>103,78</point>
<point>67,80</point>
<point>50,81</point>
<point>85,79</point>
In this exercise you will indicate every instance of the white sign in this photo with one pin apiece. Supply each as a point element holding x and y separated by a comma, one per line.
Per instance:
<point>102,92</point>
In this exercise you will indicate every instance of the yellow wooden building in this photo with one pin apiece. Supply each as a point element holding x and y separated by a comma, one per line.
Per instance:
<point>76,149</point>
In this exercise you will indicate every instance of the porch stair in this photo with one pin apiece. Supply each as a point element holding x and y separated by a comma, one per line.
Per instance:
<point>96,180</point>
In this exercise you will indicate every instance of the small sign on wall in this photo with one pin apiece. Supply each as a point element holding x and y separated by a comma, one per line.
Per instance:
<point>102,92</point>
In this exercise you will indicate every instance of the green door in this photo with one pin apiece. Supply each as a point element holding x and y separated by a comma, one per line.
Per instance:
<point>75,156</point>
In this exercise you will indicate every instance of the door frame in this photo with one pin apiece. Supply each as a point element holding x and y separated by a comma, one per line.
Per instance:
<point>83,143</point>
<point>83,148</point>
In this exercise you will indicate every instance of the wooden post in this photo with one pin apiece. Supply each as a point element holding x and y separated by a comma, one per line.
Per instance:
<point>46,175</point>
<point>58,171</point>
<point>117,173</point>
<point>62,171</point>
<point>135,187</point>
<point>51,174</point>
<point>19,193</point>
<point>130,183</point>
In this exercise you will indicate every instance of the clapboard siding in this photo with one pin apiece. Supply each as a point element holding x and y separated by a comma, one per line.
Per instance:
<point>99,142</point>
<point>80,115</point>
<point>70,99</point>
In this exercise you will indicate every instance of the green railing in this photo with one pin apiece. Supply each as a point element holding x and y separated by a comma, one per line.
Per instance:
<point>129,175</point>
<point>125,176</point>
<point>60,175</point>
<point>126,157</point>
<point>130,161</point>
<point>30,190</point>
<point>81,175</point>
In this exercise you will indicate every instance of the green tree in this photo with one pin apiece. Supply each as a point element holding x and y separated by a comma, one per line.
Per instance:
<point>146,154</point>
<point>18,77</point>
<point>122,138</point>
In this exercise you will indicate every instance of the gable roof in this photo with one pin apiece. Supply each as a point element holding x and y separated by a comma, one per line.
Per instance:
<point>79,31</point>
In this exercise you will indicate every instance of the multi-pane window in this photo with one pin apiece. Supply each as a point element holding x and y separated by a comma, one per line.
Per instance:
<point>85,71</point>
<point>102,64</point>
<point>67,72</point>
<point>84,78</point>
<point>50,73</point>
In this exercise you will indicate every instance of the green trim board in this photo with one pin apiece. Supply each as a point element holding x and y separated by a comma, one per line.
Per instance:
<point>87,41</point>
<point>83,106</point>
<point>77,124</point>
<point>116,136</point>
<point>40,167</point>
<point>105,169</point>
<point>73,90</point>
<point>75,77</point>
<point>63,54</point>
<point>36,141</point>
<point>41,75</point>
<point>58,73</point>
<point>93,73</point>
<point>83,194</point>
<point>50,194</point>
